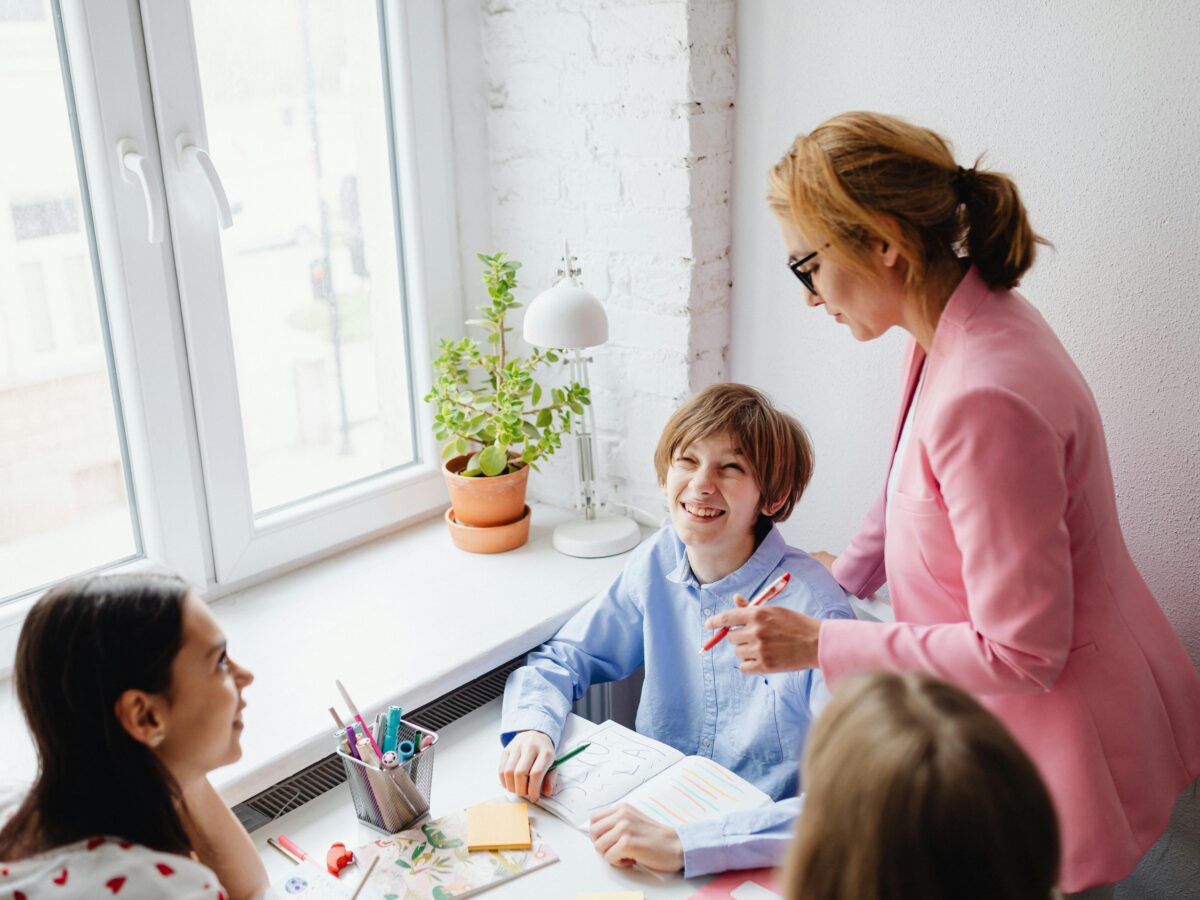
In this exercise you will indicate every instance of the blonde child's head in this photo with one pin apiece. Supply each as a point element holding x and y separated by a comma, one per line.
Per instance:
<point>916,792</point>
<point>773,444</point>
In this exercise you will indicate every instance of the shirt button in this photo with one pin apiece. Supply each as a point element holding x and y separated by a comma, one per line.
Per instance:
<point>708,676</point>
<point>708,611</point>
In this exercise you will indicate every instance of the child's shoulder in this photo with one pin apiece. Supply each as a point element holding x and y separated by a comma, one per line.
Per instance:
<point>817,590</point>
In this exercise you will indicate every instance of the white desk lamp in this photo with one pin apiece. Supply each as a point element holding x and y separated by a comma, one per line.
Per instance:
<point>568,317</point>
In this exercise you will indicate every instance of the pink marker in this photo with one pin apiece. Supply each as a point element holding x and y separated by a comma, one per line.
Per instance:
<point>359,719</point>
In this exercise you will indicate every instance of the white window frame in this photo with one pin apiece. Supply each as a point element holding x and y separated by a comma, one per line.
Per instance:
<point>245,546</point>
<point>182,422</point>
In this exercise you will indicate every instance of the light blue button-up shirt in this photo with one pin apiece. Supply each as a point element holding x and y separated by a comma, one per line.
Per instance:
<point>702,705</point>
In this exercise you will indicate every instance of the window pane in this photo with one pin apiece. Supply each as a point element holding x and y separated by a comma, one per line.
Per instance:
<point>64,506</point>
<point>297,124</point>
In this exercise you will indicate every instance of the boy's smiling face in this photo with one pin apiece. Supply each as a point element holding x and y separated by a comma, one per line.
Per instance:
<point>714,498</point>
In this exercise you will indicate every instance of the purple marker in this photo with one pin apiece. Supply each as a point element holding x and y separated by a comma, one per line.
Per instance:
<point>351,739</point>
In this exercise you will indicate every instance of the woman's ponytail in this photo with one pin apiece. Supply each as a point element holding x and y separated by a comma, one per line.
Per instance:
<point>998,238</point>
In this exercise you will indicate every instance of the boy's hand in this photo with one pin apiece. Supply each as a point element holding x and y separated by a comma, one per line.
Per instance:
<point>624,836</point>
<point>769,638</point>
<point>524,763</point>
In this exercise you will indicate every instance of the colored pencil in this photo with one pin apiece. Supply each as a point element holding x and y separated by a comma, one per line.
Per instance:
<point>562,759</point>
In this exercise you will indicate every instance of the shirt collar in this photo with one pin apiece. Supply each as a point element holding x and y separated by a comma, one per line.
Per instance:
<point>747,579</point>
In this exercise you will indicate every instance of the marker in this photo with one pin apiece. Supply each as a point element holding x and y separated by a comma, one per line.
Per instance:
<point>562,759</point>
<point>365,751</point>
<point>393,726</point>
<point>290,846</point>
<point>405,750</point>
<point>352,740</point>
<point>340,724</point>
<point>769,593</point>
<point>427,741</point>
<point>359,719</point>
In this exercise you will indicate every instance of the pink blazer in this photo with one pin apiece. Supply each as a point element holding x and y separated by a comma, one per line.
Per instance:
<point>1009,576</point>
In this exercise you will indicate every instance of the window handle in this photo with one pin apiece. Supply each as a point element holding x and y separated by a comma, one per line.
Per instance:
<point>133,171</point>
<point>190,154</point>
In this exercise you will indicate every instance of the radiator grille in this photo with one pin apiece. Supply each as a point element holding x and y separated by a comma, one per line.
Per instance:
<point>328,773</point>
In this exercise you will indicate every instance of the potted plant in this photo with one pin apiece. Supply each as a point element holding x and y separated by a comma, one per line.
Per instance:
<point>495,420</point>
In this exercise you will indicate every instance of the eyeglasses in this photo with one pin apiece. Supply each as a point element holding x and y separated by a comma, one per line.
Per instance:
<point>805,277</point>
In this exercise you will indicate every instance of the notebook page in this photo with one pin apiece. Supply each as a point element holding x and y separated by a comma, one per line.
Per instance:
<point>695,789</point>
<point>617,761</point>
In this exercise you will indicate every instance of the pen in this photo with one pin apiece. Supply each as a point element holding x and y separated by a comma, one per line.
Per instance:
<point>770,592</point>
<point>359,719</point>
<point>337,718</point>
<point>562,759</point>
<point>352,740</point>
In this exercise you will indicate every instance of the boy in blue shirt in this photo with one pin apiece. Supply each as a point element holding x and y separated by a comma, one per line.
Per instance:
<point>730,465</point>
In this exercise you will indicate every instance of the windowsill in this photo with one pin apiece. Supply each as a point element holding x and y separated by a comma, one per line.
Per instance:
<point>402,620</point>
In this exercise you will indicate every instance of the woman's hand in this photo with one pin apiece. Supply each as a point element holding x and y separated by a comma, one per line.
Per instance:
<point>524,764</point>
<point>825,558</point>
<point>769,638</point>
<point>624,836</point>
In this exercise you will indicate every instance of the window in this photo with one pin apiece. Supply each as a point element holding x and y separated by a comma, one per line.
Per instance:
<point>214,312</point>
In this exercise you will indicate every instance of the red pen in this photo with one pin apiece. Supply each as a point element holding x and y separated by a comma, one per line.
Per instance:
<point>768,593</point>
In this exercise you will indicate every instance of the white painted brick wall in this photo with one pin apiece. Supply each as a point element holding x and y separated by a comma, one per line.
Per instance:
<point>610,124</point>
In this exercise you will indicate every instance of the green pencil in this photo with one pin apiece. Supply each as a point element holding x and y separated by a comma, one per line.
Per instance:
<point>562,759</point>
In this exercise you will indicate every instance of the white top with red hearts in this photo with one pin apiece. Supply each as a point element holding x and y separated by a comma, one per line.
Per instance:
<point>107,867</point>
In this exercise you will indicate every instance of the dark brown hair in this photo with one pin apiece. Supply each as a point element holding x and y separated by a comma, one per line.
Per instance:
<point>863,175</point>
<point>775,444</point>
<point>81,647</point>
<point>916,792</point>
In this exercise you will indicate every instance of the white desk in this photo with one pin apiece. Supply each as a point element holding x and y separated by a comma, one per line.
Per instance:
<point>465,773</point>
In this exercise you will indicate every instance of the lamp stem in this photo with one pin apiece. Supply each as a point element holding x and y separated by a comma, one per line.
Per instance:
<point>584,428</point>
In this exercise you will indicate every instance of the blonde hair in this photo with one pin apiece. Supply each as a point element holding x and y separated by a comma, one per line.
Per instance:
<point>916,792</point>
<point>774,444</point>
<point>844,181</point>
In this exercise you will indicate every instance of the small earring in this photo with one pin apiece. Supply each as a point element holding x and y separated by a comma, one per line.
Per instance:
<point>157,739</point>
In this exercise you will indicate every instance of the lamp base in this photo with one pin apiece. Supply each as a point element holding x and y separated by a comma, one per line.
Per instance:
<point>593,538</point>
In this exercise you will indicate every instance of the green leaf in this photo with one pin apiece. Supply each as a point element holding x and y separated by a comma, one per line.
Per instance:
<point>544,418</point>
<point>493,460</point>
<point>537,393</point>
<point>577,406</point>
<point>530,431</point>
<point>447,451</point>
<point>460,446</point>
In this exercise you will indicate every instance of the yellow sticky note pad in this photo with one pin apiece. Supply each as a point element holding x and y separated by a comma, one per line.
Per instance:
<point>498,826</point>
<point>612,895</point>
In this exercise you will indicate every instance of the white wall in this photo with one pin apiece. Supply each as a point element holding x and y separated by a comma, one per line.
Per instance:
<point>608,124</point>
<point>1093,108</point>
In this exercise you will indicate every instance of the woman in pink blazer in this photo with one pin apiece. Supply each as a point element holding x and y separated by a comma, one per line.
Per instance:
<point>997,532</point>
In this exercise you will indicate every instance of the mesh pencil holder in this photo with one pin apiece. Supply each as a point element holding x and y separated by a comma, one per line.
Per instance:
<point>391,800</point>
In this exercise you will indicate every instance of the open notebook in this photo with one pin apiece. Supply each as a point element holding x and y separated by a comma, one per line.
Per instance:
<point>624,766</point>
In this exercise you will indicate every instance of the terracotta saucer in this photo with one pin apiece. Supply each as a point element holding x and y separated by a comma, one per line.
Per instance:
<point>495,539</point>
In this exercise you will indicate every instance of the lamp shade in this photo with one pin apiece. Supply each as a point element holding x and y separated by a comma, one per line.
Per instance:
<point>565,316</point>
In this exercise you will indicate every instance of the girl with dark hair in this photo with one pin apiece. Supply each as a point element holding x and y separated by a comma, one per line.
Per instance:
<point>996,525</point>
<point>131,699</point>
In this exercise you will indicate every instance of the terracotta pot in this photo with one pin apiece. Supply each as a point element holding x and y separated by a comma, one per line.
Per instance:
<point>483,502</point>
<point>496,539</point>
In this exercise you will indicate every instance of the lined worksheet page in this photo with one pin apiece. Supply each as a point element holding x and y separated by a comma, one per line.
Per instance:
<point>694,789</point>
<point>617,761</point>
